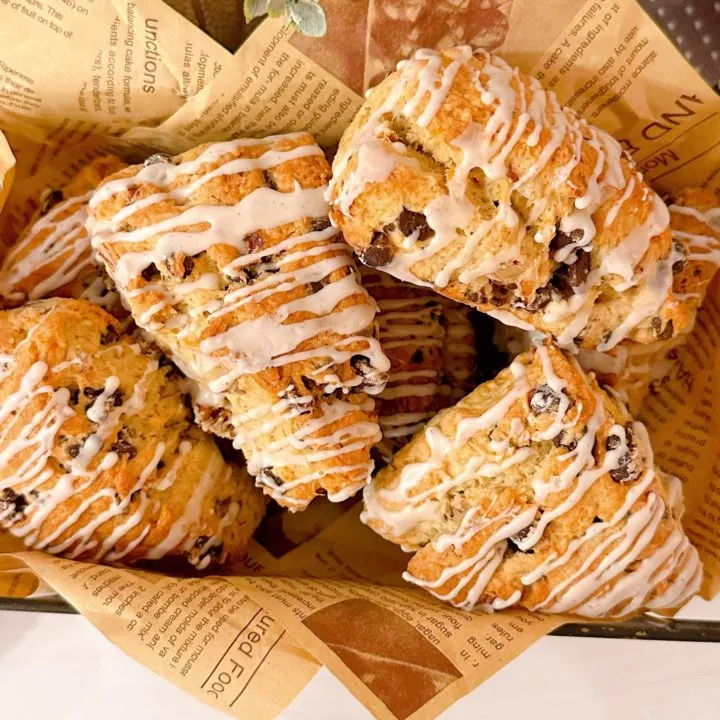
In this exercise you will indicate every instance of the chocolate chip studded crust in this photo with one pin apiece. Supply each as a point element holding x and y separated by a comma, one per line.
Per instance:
<point>537,490</point>
<point>430,342</point>
<point>99,457</point>
<point>630,368</point>
<point>53,257</point>
<point>462,174</point>
<point>226,256</point>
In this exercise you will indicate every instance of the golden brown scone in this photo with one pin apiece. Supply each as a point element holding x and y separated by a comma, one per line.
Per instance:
<point>227,258</point>
<point>53,257</point>
<point>99,457</point>
<point>430,342</point>
<point>537,490</point>
<point>630,368</point>
<point>462,174</point>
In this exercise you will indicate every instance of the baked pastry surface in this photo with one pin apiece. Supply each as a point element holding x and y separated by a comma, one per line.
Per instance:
<point>537,490</point>
<point>430,342</point>
<point>99,457</point>
<point>630,368</point>
<point>462,174</point>
<point>53,257</point>
<point>226,256</point>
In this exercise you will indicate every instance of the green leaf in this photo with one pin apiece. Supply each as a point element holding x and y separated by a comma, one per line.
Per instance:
<point>309,18</point>
<point>276,8</point>
<point>255,8</point>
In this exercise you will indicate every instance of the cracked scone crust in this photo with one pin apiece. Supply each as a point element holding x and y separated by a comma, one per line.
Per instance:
<point>53,256</point>
<point>226,256</point>
<point>537,490</point>
<point>430,342</point>
<point>463,174</point>
<point>99,457</point>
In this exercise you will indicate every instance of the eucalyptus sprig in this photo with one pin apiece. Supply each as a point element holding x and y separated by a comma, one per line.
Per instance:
<point>306,15</point>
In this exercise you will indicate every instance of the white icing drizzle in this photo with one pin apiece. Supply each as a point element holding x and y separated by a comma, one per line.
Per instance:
<point>216,349</point>
<point>610,578</point>
<point>66,243</point>
<point>28,467</point>
<point>520,112</point>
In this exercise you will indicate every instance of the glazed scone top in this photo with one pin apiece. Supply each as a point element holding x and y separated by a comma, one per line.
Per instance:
<point>462,173</point>
<point>53,257</point>
<point>226,256</point>
<point>99,458</point>
<point>537,489</point>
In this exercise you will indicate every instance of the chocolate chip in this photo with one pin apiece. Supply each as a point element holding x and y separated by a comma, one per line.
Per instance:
<point>188,265</point>
<point>111,335</point>
<point>318,224</point>
<point>269,180</point>
<point>160,465</point>
<point>596,519</point>
<point>268,477</point>
<point>157,158</point>
<point>544,399</point>
<point>116,399</point>
<point>51,199</point>
<point>254,242</point>
<point>667,331</point>
<point>409,221</point>
<point>626,470</point>
<point>122,446</point>
<point>679,249</point>
<point>417,357</point>
<point>10,500</point>
<point>563,239</point>
<point>578,271</point>
<point>92,393</point>
<point>73,450</point>
<point>561,440</point>
<point>499,293</point>
<point>542,297</point>
<point>569,277</point>
<point>150,272</point>
<point>379,252</point>
<point>74,395</point>
<point>518,538</point>
<point>316,287</point>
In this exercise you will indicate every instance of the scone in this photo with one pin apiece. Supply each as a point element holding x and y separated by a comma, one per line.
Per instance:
<point>630,368</point>
<point>430,342</point>
<point>53,257</point>
<point>99,457</point>
<point>537,490</point>
<point>462,174</point>
<point>226,256</point>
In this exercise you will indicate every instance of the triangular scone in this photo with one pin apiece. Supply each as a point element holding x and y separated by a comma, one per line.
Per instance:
<point>226,257</point>
<point>53,257</point>
<point>463,174</point>
<point>539,490</point>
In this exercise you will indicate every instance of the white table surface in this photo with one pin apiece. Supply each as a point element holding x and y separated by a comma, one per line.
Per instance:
<point>59,667</point>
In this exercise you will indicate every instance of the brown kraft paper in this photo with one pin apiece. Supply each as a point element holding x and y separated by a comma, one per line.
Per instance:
<point>336,597</point>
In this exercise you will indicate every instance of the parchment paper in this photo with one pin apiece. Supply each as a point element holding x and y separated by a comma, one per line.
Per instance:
<point>325,589</point>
